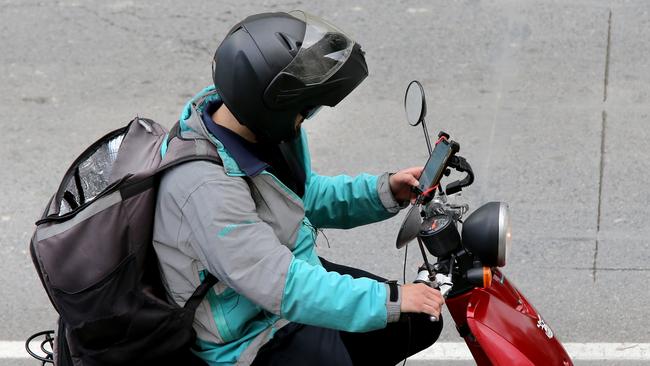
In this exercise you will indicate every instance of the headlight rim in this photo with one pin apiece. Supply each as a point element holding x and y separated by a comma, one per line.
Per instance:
<point>504,231</point>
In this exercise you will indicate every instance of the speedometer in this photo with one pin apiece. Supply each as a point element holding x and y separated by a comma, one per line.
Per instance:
<point>440,235</point>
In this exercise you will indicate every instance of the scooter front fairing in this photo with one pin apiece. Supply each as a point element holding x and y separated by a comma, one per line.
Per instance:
<point>501,327</point>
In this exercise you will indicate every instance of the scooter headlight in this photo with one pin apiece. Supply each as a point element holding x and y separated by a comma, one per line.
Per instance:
<point>486,233</point>
<point>505,234</point>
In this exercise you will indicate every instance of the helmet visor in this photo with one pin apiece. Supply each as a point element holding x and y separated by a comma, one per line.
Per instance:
<point>324,50</point>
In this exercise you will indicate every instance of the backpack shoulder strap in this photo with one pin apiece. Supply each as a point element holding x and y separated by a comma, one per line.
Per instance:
<point>200,292</point>
<point>181,150</point>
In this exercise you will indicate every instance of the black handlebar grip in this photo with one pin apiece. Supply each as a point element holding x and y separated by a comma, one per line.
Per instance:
<point>459,163</point>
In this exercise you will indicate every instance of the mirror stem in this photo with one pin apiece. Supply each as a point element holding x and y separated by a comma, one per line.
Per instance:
<point>426,136</point>
<point>426,260</point>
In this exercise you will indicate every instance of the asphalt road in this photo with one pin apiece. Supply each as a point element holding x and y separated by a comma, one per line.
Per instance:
<point>548,99</point>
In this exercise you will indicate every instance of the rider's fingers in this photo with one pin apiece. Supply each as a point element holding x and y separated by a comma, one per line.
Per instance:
<point>403,179</point>
<point>431,309</point>
<point>415,171</point>
<point>434,295</point>
<point>438,296</point>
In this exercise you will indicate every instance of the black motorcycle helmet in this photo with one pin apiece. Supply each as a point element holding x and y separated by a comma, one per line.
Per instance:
<point>273,66</point>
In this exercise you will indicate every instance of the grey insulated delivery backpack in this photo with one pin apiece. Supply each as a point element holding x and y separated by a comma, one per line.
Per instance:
<point>94,255</point>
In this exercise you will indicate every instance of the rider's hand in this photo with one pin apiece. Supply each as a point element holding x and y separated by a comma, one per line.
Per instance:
<point>420,298</point>
<point>402,182</point>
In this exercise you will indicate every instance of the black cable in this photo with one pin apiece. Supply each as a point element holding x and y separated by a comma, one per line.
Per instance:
<point>408,344</point>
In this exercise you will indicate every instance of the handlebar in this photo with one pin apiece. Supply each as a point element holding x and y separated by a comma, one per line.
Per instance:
<point>460,164</point>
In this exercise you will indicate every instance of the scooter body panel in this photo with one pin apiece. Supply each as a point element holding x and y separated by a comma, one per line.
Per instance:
<point>504,329</point>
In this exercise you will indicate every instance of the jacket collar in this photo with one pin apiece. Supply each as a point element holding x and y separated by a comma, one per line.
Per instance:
<point>192,126</point>
<point>245,153</point>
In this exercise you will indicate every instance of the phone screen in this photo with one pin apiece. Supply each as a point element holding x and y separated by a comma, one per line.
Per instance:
<point>435,166</point>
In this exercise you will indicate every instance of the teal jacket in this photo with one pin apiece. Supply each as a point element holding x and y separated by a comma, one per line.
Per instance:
<point>258,238</point>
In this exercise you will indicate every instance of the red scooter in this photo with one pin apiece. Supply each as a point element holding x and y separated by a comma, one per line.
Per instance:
<point>498,324</point>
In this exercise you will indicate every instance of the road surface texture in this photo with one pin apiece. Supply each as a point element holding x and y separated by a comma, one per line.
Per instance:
<point>548,99</point>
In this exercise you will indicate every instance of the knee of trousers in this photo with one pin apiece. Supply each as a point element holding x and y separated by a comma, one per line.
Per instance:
<point>424,331</point>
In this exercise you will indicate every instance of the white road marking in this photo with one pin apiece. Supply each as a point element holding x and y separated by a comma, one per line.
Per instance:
<point>13,349</point>
<point>577,351</point>
<point>417,10</point>
<point>447,351</point>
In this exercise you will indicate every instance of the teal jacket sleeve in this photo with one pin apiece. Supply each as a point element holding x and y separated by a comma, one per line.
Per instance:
<point>344,202</point>
<point>327,299</point>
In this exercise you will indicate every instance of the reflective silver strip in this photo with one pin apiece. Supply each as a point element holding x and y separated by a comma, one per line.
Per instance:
<point>393,308</point>
<point>145,125</point>
<point>94,208</point>
<point>386,195</point>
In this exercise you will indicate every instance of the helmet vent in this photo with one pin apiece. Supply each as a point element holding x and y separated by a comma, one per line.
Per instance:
<point>290,43</point>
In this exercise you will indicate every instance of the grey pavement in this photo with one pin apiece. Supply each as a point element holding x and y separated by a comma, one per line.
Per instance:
<point>548,99</point>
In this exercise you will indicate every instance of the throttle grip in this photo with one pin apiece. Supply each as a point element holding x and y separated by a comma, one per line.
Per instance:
<point>442,283</point>
<point>421,275</point>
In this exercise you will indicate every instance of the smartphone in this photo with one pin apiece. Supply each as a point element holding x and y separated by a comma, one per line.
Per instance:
<point>435,166</point>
